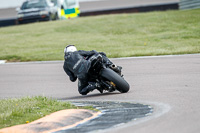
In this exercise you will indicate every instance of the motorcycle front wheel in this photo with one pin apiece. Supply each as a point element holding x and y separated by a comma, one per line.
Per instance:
<point>121,85</point>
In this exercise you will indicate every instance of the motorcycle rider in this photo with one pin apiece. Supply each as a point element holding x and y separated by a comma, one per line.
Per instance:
<point>76,66</point>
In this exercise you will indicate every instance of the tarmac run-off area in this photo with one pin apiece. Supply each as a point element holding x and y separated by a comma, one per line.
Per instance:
<point>173,81</point>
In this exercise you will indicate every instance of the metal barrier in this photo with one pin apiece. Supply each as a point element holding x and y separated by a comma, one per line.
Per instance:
<point>8,22</point>
<point>161,7</point>
<point>189,4</point>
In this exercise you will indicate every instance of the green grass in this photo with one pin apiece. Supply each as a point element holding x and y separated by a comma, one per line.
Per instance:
<point>23,110</point>
<point>122,35</point>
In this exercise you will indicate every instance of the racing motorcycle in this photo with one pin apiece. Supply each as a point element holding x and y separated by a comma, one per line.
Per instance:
<point>108,78</point>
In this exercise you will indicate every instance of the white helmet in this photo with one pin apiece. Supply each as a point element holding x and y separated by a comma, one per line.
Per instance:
<point>70,48</point>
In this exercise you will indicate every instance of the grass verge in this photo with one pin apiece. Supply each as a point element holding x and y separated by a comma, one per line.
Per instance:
<point>28,109</point>
<point>121,35</point>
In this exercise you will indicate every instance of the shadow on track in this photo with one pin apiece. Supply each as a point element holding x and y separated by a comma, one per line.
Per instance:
<point>89,96</point>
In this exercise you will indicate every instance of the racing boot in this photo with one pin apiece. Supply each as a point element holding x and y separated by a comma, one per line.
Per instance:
<point>90,87</point>
<point>98,86</point>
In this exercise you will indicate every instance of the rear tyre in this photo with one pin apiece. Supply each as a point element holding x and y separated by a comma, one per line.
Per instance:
<point>120,83</point>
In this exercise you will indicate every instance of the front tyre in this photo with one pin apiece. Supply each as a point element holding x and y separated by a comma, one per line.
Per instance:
<point>120,83</point>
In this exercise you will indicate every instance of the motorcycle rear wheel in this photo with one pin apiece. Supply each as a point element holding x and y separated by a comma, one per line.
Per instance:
<point>121,85</point>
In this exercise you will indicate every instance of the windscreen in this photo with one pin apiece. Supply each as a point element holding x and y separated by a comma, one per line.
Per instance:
<point>70,3</point>
<point>34,4</point>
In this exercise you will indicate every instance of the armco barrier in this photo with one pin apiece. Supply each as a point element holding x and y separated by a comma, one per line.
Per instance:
<point>163,7</point>
<point>189,4</point>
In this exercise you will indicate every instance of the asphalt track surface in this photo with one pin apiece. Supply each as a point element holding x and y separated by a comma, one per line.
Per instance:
<point>171,84</point>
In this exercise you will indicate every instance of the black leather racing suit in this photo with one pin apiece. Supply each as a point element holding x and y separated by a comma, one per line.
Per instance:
<point>76,66</point>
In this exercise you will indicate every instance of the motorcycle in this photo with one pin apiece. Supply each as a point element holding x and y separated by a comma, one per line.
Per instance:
<point>108,78</point>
